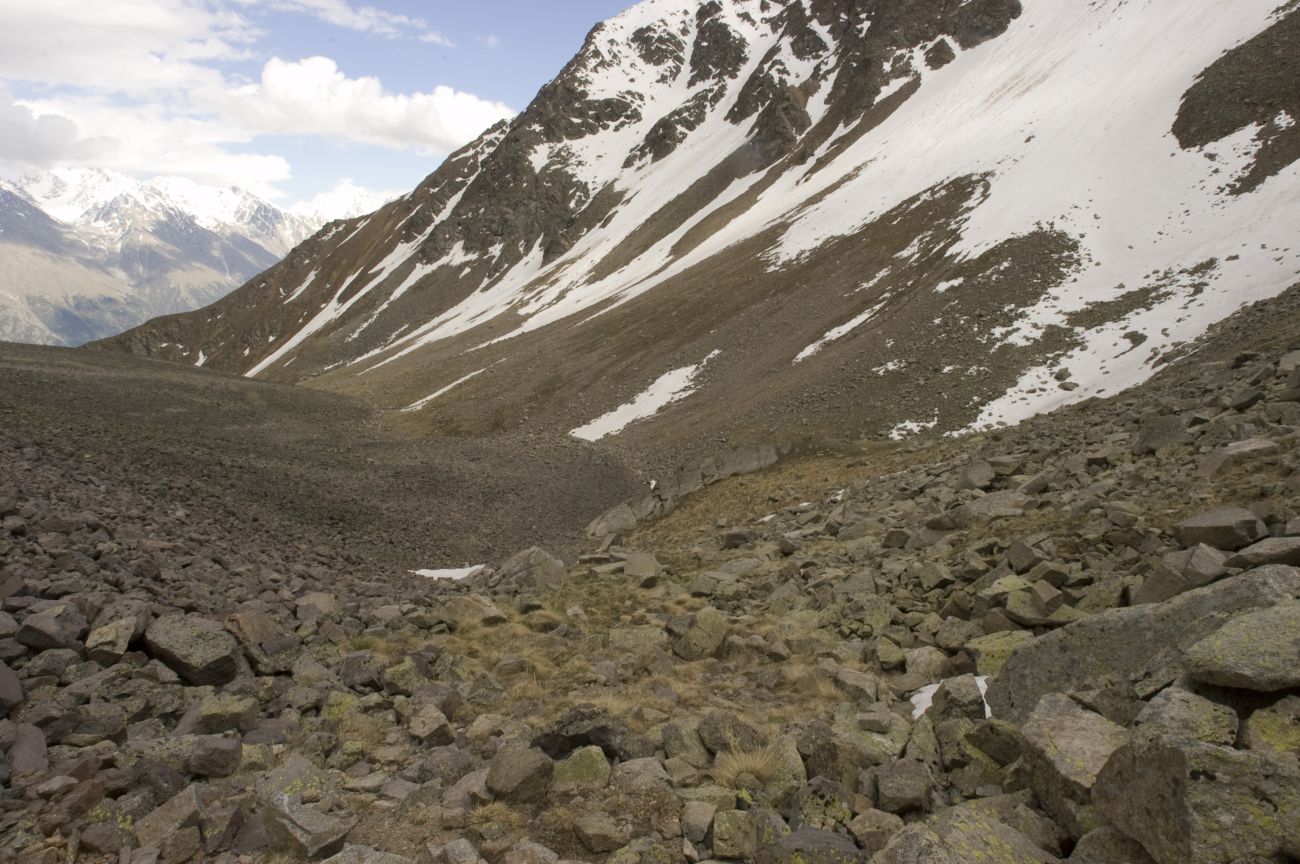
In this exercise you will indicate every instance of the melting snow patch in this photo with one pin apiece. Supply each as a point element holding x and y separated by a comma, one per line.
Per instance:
<point>944,286</point>
<point>667,388</point>
<point>203,358</point>
<point>922,699</point>
<point>420,403</point>
<point>454,574</point>
<point>839,332</point>
<point>910,428</point>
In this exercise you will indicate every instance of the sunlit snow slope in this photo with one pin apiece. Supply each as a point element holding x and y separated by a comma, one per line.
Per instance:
<point>867,216</point>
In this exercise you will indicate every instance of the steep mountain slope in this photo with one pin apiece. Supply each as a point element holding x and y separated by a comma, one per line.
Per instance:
<point>743,221</point>
<point>86,253</point>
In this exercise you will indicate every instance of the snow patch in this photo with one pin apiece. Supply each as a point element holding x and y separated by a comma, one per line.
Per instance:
<point>453,574</point>
<point>666,389</point>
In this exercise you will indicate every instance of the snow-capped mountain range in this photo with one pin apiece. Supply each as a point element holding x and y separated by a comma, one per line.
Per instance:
<point>739,220</point>
<point>86,253</point>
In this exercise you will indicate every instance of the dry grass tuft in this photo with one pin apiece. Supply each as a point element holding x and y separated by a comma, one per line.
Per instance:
<point>762,764</point>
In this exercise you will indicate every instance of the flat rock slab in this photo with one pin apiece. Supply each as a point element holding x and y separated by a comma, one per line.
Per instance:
<point>198,650</point>
<point>1129,645</point>
<point>1222,528</point>
<point>1272,550</point>
<point>1255,651</point>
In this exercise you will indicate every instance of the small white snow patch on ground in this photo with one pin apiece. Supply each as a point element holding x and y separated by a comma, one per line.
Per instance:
<point>1283,120</point>
<point>666,389</point>
<point>910,428</point>
<point>923,698</point>
<point>951,283</point>
<point>455,574</point>
<point>203,358</point>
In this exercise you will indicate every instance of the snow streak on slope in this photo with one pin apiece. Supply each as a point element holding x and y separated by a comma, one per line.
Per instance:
<point>667,389</point>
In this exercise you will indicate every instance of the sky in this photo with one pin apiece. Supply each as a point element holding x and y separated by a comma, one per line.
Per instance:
<point>298,101</point>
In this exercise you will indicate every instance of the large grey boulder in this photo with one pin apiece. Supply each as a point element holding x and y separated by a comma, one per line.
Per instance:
<point>198,650</point>
<point>1066,747</point>
<point>11,690</point>
<point>810,846</point>
<point>1222,528</point>
<point>962,835</point>
<point>533,569</point>
<point>301,830</point>
<point>1127,646</point>
<point>518,773</point>
<point>705,636</point>
<point>585,725</point>
<point>1182,713</point>
<point>1255,651</point>
<point>1189,802</point>
<point>1270,550</point>
<point>59,626</point>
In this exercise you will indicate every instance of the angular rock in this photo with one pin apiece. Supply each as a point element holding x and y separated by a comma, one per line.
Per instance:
<point>992,651</point>
<point>811,846</point>
<point>1066,747</point>
<point>215,756</point>
<point>271,648</point>
<point>60,626</point>
<point>1274,728</point>
<point>1188,802</point>
<point>734,836</point>
<point>28,754</point>
<point>534,569</point>
<point>1181,713</point>
<point>1133,644</point>
<point>366,855</point>
<point>198,650</point>
<point>108,643</point>
<point>723,731</point>
<point>11,690</point>
<point>586,725</point>
<point>1223,528</point>
<point>430,726</point>
<point>873,829</point>
<point>182,810</point>
<point>904,786</point>
<point>1254,651</point>
<point>301,830</point>
<point>962,835</point>
<point>586,769</point>
<point>1270,550</point>
<point>471,610</point>
<point>1160,433</point>
<point>1107,846</point>
<point>705,636</point>
<point>519,774</point>
<point>600,832</point>
<point>1181,571</point>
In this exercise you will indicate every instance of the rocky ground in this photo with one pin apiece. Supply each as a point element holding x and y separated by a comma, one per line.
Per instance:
<point>1078,639</point>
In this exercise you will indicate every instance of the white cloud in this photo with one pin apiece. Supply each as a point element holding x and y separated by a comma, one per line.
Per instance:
<point>492,40</point>
<point>32,140</point>
<point>141,48</point>
<point>313,97</point>
<point>365,19</point>
<point>345,200</point>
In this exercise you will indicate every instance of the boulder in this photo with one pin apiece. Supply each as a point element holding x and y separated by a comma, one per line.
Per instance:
<point>904,786</point>
<point>586,769</point>
<point>1132,644</point>
<point>271,648</point>
<point>366,855</point>
<point>301,830</point>
<point>587,725</point>
<point>1158,433</point>
<point>1107,846</point>
<point>214,755</point>
<point>534,569</point>
<point>704,637</point>
<point>107,644</point>
<point>59,626</point>
<point>600,832</point>
<point>1181,713</point>
<point>1257,650</point>
<point>471,610</point>
<point>734,836</point>
<point>873,829</point>
<point>1065,748</point>
<point>182,810</point>
<point>1270,550</point>
<point>1223,528</point>
<point>430,726</point>
<point>28,754</point>
<point>11,690</point>
<point>198,650</point>
<point>1181,571</point>
<point>723,731</point>
<point>962,835</point>
<point>519,774</point>
<point>1274,728</point>
<point>1189,802</point>
<point>810,846</point>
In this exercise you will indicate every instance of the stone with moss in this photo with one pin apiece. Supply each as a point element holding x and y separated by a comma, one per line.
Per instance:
<point>584,770</point>
<point>992,651</point>
<point>1254,651</point>
<point>1182,713</point>
<point>1274,728</point>
<point>1190,802</point>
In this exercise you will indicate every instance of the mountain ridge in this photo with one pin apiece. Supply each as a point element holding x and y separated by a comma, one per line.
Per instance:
<point>881,215</point>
